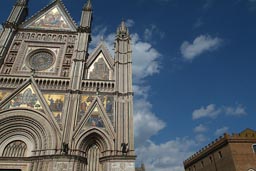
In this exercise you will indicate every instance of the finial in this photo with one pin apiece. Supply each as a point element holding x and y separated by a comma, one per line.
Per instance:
<point>102,38</point>
<point>88,6</point>
<point>123,30</point>
<point>22,2</point>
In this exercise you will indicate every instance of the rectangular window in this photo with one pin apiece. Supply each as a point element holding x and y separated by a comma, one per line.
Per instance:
<point>220,154</point>
<point>254,148</point>
<point>202,163</point>
<point>211,159</point>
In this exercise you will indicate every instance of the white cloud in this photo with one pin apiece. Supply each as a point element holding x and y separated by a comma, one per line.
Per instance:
<point>153,30</point>
<point>145,59</point>
<point>221,131</point>
<point>145,121</point>
<point>1,27</point>
<point>236,111</point>
<point>211,111</point>
<point>167,156</point>
<point>208,111</point>
<point>200,128</point>
<point>201,44</point>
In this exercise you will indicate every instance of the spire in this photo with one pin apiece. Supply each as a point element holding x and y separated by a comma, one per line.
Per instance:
<point>86,17</point>
<point>19,12</point>
<point>88,6</point>
<point>22,2</point>
<point>122,30</point>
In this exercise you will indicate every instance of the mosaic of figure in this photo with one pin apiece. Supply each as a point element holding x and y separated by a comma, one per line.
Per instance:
<point>107,101</point>
<point>100,70</point>
<point>85,103</point>
<point>95,119</point>
<point>53,19</point>
<point>109,106</point>
<point>3,94</point>
<point>25,99</point>
<point>55,102</point>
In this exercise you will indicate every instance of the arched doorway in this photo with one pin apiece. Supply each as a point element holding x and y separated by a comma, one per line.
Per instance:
<point>93,158</point>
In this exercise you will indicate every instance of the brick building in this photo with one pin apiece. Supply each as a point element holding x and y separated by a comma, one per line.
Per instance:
<point>236,152</point>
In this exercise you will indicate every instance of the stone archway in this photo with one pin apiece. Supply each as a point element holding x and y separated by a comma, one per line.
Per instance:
<point>95,144</point>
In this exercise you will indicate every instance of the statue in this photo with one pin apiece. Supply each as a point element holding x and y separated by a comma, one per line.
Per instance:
<point>125,148</point>
<point>65,148</point>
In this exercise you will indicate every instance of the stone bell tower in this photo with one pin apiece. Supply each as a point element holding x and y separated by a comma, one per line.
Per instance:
<point>61,108</point>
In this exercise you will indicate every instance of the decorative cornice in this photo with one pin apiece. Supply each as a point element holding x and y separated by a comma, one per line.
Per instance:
<point>12,25</point>
<point>124,94</point>
<point>74,91</point>
<point>81,29</point>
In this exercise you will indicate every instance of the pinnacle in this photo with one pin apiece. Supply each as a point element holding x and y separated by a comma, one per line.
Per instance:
<point>22,2</point>
<point>123,28</point>
<point>88,6</point>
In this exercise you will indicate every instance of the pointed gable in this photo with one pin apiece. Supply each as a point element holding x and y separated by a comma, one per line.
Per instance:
<point>100,64</point>
<point>53,17</point>
<point>26,98</point>
<point>96,117</point>
<point>86,102</point>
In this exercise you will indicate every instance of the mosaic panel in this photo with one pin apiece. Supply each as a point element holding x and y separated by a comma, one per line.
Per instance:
<point>3,94</point>
<point>107,101</point>
<point>25,99</point>
<point>55,103</point>
<point>95,119</point>
<point>100,70</point>
<point>51,20</point>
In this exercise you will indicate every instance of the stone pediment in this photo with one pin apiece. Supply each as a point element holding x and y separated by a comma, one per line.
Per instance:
<point>53,17</point>
<point>96,117</point>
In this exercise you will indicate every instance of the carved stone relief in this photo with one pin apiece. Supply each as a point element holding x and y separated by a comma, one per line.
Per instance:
<point>123,166</point>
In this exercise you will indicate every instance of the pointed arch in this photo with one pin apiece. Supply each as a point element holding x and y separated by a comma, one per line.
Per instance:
<point>95,144</point>
<point>94,136</point>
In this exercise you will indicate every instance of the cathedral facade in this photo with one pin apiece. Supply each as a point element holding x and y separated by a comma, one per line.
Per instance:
<point>61,108</point>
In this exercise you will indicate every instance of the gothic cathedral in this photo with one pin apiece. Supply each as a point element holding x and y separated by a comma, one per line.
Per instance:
<point>61,108</point>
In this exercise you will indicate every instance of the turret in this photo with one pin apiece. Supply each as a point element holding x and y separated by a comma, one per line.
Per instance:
<point>123,60</point>
<point>80,56</point>
<point>86,18</point>
<point>124,92</point>
<point>19,12</point>
<point>17,16</point>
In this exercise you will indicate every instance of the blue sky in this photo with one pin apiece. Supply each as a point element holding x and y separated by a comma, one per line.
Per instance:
<point>194,69</point>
